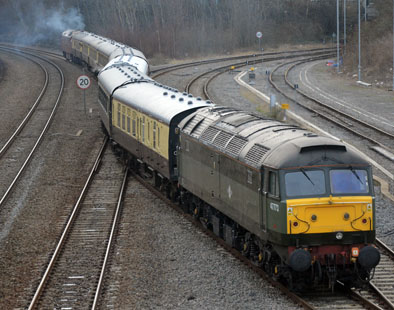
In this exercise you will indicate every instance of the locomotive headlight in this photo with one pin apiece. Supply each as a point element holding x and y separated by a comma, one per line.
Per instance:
<point>346,216</point>
<point>313,218</point>
<point>339,235</point>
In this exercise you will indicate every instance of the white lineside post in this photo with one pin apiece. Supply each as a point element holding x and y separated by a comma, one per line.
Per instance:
<point>359,40</point>
<point>344,26</point>
<point>338,36</point>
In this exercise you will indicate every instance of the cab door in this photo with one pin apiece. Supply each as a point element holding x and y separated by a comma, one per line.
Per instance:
<point>273,212</point>
<point>263,201</point>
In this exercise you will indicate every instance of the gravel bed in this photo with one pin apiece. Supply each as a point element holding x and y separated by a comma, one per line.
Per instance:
<point>162,261</point>
<point>38,207</point>
<point>16,73</point>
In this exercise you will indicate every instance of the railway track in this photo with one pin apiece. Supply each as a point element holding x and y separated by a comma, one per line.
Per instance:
<point>18,150</point>
<point>382,284</point>
<point>376,136</point>
<point>210,75</point>
<point>250,57</point>
<point>74,276</point>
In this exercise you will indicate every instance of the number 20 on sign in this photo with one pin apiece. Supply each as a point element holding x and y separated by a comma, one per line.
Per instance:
<point>83,82</point>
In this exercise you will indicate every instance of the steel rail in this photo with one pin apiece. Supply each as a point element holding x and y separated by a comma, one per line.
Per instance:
<point>385,247</point>
<point>320,113</point>
<point>238,65</point>
<point>332,108</point>
<point>44,130</point>
<point>378,292</point>
<point>111,238</point>
<point>208,61</point>
<point>32,109</point>
<point>227,68</point>
<point>67,229</point>
<point>390,253</point>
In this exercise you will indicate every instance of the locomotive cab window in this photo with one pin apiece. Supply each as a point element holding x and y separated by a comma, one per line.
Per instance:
<point>305,183</point>
<point>273,184</point>
<point>349,181</point>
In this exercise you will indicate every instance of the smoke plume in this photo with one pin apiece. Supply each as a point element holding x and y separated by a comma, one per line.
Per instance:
<point>37,23</point>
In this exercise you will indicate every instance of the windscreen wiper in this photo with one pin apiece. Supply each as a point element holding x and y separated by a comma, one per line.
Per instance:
<point>304,173</point>
<point>355,173</point>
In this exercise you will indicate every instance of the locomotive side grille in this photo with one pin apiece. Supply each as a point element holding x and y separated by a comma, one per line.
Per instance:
<point>235,146</point>
<point>256,153</point>
<point>209,134</point>
<point>221,139</point>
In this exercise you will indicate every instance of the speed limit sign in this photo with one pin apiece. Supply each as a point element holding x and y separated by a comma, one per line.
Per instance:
<point>83,82</point>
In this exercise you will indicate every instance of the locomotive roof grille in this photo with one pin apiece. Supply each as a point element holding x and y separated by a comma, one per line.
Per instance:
<point>235,146</point>
<point>323,147</point>
<point>222,139</point>
<point>209,134</point>
<point>256,154</point>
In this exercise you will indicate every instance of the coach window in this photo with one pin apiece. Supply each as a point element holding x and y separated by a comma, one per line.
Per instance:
<point>140,124</point>
<point>123,118</point>
<point>85,49</point>
<point>143,129</point>
<point>158,136</point>
<point>154,135</point>
<point>273,187</point>
<point>119,115</point>
<point>134,123</point>
<point>128,121</point>
<point>148,130</point>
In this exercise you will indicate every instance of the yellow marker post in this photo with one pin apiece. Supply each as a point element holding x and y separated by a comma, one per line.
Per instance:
<point>285,106</point>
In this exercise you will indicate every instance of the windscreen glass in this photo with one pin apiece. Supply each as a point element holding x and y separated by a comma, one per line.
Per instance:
<point>305,183</point>
<point>349,181</point>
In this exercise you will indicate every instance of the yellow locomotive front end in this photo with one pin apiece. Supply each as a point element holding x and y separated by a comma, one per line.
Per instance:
<point>330,222</point>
